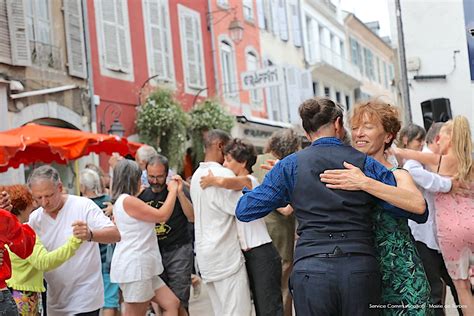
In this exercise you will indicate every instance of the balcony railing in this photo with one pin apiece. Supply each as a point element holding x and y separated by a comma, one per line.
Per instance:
<point>46,55</point>
<point>334,59</point>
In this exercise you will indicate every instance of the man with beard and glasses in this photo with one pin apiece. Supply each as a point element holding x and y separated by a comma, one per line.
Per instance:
<point>174,239</point>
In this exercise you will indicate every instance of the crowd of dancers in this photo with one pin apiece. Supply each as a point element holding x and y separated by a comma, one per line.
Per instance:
<point>375,221</point>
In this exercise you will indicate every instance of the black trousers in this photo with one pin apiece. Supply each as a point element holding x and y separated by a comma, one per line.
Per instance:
<point>263,265</point>
<point>7,304</point>
<point>438,277</point>
<point>341,286</point>
<point>93,313</point>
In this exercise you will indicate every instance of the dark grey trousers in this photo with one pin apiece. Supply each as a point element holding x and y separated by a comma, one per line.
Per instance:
<point>263,265</point>
<point>7,304</point>
<point>341,286</point>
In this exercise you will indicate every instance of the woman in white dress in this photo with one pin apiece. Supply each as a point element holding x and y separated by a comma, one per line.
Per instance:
<point>136,263</point>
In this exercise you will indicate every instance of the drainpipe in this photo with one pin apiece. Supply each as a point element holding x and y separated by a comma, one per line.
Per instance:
<point>213,44</point>
<point>403,63</point>
<point>90,78</point>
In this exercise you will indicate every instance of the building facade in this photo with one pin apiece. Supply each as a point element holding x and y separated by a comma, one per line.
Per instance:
<point>326,52</point>
<point>437,60</point>
<point>374,59</point>
<point>43,71</point>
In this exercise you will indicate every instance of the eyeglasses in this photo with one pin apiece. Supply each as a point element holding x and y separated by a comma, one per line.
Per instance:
<point>161,177</point>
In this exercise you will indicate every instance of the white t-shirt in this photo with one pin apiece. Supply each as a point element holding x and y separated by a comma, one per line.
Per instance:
<point>76,286</point>
<point>254,233</point>
<point>137,256</point>
<point>217,246</point>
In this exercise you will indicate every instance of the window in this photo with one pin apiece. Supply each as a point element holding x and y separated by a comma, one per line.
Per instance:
<point>229,75</point>
<point>348,102</point>
<point>112,21</point>
<point>356,55</point>
<point>379,73</point>
<point>158,39</point>
<point>338,97</point>
<point>369,64</point>
<point>248,10</point>
<point>223,3</point>
<point>275,102</point>
<point>327,92</point>
<point>311,39</point>
<point>38,24</point>
<point>296,25</point>
<point>191,46</point>
<point>38,21</point>
<point>283,20</point>
<point>385,75</point>
<point>256,96</point>
<point>391,76</point>
<point>315,88</point>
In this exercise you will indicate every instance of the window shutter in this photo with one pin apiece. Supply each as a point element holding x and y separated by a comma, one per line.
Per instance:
<point>122,35</point>
<point>260,14</point>
<point>283,20</point>
<point>75,38</point>
<point>306,85</point>
<point>296,23</point>
<point>274,12</point>
<point>166,36</point>
<point>156,40</point>
<point>191,52</point>
<point>19,41</point>
<point>110,35</point>
<point>5,47</point>
<point>292,75</point>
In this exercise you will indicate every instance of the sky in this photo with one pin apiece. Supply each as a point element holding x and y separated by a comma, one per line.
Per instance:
<point>370,10</point>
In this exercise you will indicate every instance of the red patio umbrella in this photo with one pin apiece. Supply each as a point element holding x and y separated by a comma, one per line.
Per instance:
<point>32,143</point>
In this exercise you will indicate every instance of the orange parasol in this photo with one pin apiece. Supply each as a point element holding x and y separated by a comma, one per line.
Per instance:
<point>32,143</point>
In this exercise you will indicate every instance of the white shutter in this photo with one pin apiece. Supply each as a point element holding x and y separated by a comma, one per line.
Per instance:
<point>306,87</point>
<point>153,16</point>
<point>283,20</point>
<point>5,47</point>
<point>296,23</point>
<point>292,80</point>
<point>122,35</point>
<point>110,34</point>
<point>75,38</point>
<point>19,41</point>
<point>274,12</point>
<point>191,45</point>
<point>261,14</point>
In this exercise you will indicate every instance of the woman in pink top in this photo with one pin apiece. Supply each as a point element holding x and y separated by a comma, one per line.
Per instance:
<point>455,212</point>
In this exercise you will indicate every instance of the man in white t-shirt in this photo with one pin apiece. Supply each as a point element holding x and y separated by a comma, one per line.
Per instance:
<point>75,288</point>
<point>218,253</point>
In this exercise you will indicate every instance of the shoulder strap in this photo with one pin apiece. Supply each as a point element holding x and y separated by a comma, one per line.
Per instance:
<point>439,163</point>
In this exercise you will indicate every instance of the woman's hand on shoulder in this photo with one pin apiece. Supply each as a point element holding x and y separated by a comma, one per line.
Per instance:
<point>350,179</point>
<point>207,181</point>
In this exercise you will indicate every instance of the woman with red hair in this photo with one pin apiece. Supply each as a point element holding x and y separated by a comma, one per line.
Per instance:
<point>20,239</point>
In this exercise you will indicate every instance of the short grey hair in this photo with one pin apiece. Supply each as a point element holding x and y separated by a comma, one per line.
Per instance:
<point>146,152</point>
<point>216,134</point>
<point>91,181</point>
<point>433,132</point>
<point>126,176</point>
<point>45,172</point>
<point>159,160</point>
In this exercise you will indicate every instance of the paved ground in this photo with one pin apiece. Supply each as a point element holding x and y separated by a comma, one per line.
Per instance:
<point>201,305</point>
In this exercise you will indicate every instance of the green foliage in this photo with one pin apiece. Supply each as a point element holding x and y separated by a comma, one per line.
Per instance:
<point>206,116</point>
<point>162,123</point>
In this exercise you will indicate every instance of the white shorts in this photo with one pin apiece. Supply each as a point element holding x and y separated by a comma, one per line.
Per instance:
<point>141,291</point>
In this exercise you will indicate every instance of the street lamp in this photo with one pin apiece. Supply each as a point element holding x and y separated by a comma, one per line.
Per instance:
<point>116,128</point>
<point>236,30</point>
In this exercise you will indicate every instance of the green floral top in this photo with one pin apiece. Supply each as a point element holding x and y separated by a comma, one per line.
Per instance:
<point>404,283</point>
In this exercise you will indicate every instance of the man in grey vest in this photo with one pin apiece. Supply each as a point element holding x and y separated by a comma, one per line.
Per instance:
<point>335,267</point>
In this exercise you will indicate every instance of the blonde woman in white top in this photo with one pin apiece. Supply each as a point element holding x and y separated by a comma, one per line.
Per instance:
<point>136,263</point>
<point>262,260</point>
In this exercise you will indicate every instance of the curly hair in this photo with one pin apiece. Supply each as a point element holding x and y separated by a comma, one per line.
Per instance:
<point>20,197</point>
<point>283,143</point>
<point>242,152</point>
<point>377,110</point>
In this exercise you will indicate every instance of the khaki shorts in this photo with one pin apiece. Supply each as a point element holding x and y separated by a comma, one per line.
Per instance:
<point>141,291</point>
